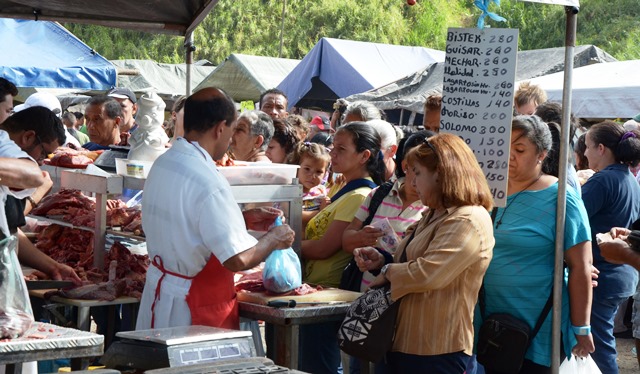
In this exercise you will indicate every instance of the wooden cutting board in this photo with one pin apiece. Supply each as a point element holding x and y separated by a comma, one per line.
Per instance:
<point>325,295</point>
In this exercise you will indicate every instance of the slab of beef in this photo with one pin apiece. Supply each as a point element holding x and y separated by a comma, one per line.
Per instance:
<point>253,283</point>
<point>74,247</point>
<point>104,291</point>
<point>80,210</point>
<point>58,203</point>
<point>72,158</point>
<point>68,160</point>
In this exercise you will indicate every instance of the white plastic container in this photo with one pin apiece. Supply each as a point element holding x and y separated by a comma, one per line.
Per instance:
<point>255,173</point>
<point>133,168</point>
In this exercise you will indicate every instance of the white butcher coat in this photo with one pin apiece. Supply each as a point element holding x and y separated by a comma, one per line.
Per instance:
<point>188,214</point>
<point>9,149</point>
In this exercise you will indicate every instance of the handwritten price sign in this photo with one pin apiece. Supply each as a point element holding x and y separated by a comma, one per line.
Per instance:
<point>479,73</point>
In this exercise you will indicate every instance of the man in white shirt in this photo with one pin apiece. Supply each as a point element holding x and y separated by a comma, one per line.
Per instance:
<point>25,137</point>
<point>196,233</point>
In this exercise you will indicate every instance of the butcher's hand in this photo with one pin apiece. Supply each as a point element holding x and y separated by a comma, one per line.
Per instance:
<point>368,258</point>
<point>64,272</point>
<point>282,236</point>
<point>584,346</point>
<point>260,219</point>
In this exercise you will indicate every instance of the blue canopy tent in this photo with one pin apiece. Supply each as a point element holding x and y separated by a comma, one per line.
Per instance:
<point>337,68</point>
<point>45,54</point>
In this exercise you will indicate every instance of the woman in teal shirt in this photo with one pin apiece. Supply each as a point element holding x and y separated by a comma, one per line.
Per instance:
<point>519,279</point>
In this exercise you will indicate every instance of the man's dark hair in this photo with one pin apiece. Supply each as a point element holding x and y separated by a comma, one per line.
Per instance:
<point>112,107</point>
<point>551,111</point>
<point>7,88</point>
<point>201,115</point>
<point>39,119</point>
<point>274,91</point>
<point>78,115</point>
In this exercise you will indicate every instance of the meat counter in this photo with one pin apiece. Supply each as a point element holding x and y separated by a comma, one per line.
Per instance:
<point>112,184</point>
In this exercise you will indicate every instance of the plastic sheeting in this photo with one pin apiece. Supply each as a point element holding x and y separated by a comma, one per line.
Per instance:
<point>167,80</point>
<point>411,91</point>
<point>337,68</point>
<point>609,90</point>
<point>45,54</point>
<point>245,77</point>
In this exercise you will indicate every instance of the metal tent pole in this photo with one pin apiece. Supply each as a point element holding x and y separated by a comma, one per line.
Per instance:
<point>189,49</point>
<point>570,41</point>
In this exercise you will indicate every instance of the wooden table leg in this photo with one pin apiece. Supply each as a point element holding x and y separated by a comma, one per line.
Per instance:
<point>286,346</point>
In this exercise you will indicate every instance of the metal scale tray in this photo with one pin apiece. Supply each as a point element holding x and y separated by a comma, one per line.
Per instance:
<point>253,365</point>
<point>176,347</point>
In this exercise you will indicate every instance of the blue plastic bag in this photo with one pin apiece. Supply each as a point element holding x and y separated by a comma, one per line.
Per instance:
<point>282,271</point>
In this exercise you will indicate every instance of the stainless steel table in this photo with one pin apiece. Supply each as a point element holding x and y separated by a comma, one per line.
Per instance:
<point>44,341</point>
<point>84,306</point>
<point>286,322</point>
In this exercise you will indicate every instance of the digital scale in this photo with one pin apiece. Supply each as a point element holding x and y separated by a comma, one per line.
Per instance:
<point>107,160</point>
<point>176,347</point>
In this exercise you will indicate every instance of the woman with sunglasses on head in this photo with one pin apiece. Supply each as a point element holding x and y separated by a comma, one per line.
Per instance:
<point>519,280</point>
<point>446,256</point>
<point>612,199</point>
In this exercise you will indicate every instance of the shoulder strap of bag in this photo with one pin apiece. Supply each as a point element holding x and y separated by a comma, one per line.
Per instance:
<point>354,184</point>
<point>376,200</point>
<point>545,310</point>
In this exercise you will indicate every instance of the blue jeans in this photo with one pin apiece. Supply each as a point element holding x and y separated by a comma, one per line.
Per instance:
<point>318,348</point>
<point>450,363</point>
<point>603,311</point>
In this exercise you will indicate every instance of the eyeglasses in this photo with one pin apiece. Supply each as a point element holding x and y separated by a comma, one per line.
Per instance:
<point>43,152</point>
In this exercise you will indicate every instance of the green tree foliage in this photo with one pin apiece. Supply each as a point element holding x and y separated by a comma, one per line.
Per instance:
<point>253,27</point>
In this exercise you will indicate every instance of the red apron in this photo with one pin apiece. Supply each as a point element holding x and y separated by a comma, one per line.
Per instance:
<point>211,298</point>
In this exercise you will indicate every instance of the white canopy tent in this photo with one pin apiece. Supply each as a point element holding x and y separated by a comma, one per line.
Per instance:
<point>610,90</point>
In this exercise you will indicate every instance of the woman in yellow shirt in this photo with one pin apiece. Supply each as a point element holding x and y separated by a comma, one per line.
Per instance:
<point>356,155</point>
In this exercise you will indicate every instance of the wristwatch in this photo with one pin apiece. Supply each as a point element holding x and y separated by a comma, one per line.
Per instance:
<point>581,330</point>
<point>384,269</point>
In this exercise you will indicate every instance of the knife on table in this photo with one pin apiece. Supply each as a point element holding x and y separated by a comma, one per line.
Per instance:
<point>293,303</point>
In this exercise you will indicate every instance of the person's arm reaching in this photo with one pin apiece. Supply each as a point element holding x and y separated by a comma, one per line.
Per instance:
<point>31,256</point>
<point>279,237</point>
<point>17,173</point>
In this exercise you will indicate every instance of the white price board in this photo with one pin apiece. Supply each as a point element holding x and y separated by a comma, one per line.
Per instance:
<point>477,97</point>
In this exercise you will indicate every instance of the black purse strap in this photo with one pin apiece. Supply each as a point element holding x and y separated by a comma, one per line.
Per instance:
<point>545,310</point>
<point>354,184</point>
<point>376,200</point>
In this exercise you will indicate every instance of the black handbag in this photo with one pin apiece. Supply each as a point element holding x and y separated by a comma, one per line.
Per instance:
<point>368,329</point>
<point>503,340</point>
<point>352,276</point>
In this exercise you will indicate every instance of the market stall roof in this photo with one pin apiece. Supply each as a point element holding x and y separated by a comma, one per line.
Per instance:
<point>411,91</point>
<point>609,90</point>
<point>45,54</point>
<point>245,77</point>
<point>337,68</point>
<point>167,80</point>
<point>156,16</point>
